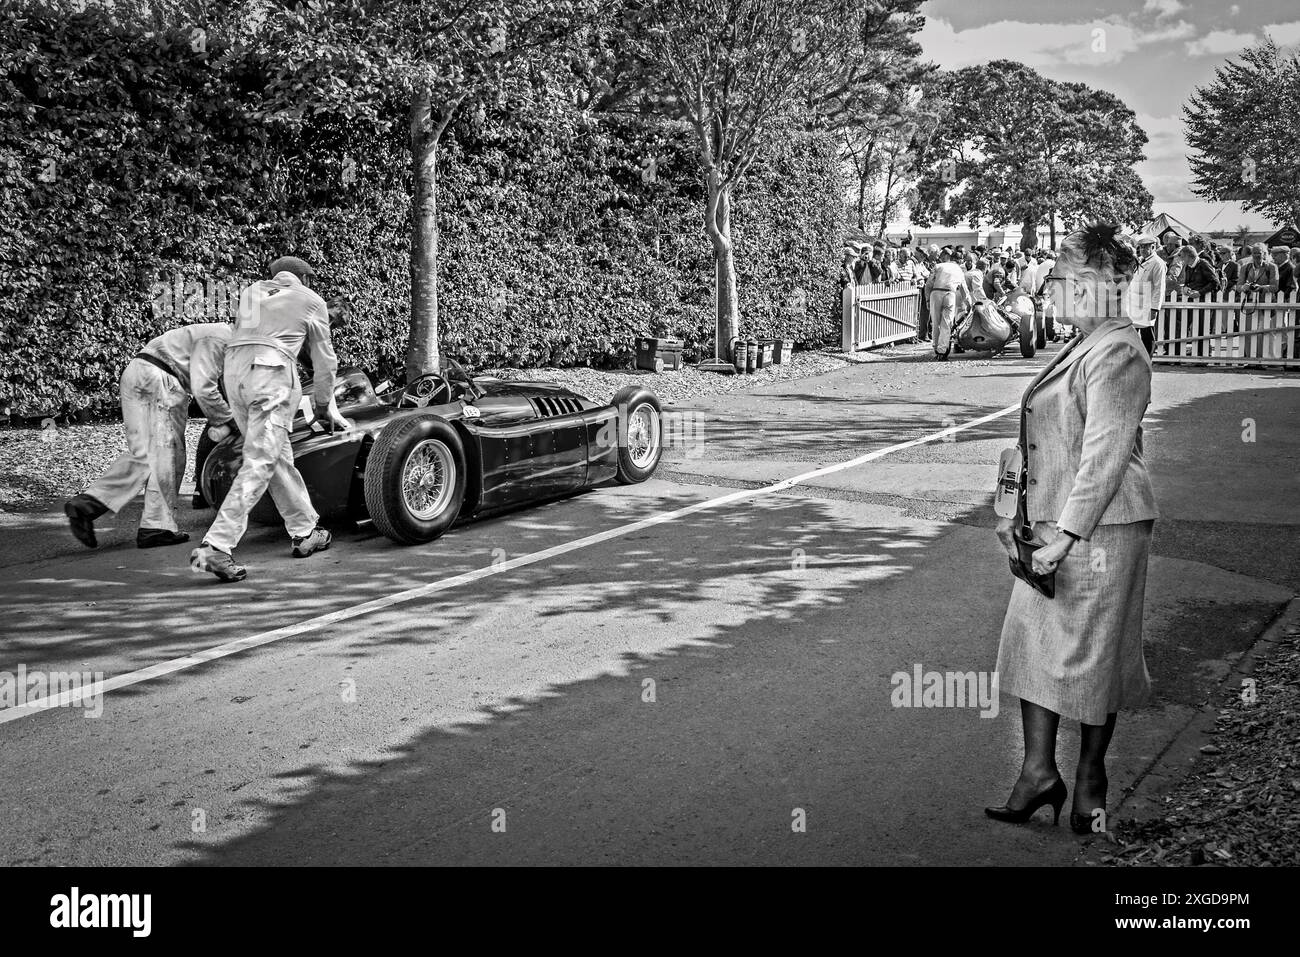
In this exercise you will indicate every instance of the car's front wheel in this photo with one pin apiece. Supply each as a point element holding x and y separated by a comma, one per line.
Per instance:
<point>641,434</point>
<point>415,479</point>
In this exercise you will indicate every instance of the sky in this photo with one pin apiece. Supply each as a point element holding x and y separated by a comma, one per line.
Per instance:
<point>1152,54</point>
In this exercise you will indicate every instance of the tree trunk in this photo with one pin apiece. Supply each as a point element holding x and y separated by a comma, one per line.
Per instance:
<point>718,227</point>
<point>422,350</point>
<point>862,202</point>
<point>885,199</point>
<point>1028,234</point>
<point>1051,227</point>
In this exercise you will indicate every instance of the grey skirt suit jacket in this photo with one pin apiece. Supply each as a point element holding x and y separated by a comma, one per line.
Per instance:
<point>1080,654</point>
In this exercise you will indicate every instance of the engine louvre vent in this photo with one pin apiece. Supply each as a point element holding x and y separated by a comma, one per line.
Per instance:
<point>548,406</point>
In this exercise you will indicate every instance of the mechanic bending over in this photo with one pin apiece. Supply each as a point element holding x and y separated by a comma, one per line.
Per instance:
<point>276,316</point>
<point>209,437</point>
<point>155,388</point>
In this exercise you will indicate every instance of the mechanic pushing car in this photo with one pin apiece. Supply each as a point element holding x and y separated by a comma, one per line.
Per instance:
<point>155,389</point>
<point>276,316</point>
<point>949,300</point>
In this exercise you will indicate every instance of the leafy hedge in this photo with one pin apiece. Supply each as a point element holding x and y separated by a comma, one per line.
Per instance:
<point>130,164</point>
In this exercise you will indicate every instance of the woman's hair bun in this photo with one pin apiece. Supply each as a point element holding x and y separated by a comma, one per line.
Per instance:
<point>1102,249</point>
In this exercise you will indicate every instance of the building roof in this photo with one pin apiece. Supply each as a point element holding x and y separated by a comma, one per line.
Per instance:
<point>1211,216</point>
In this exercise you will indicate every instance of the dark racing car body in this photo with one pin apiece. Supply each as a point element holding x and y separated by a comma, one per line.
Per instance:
<point>445,448</point>
<point>990,326</point>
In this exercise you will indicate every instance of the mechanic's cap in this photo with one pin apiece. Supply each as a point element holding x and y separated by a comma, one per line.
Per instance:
<point>294,265</point>
<point>1145,239</point>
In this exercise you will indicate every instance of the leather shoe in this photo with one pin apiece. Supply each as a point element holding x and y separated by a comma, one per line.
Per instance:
<point>82,510</point>
<point>158,537</point>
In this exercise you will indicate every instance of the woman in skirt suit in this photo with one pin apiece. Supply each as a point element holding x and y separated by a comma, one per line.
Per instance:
<point>1089,501</point>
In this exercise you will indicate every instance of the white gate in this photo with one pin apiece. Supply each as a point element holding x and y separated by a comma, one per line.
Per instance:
<point>879,313</point>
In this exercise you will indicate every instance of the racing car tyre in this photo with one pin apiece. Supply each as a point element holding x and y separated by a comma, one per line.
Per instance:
<point>1027,348</point>
<point>641,433</point>
<point>215,476</point>
<point>415,479</point>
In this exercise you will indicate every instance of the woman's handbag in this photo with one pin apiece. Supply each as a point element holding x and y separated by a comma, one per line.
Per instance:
<point>1009,502</point>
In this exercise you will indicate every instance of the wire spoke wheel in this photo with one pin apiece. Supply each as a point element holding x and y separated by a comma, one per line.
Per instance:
<point>427,479</point>
<point>643,435</point>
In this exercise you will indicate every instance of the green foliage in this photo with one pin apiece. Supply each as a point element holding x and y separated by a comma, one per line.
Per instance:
<point>1025,149</point>
<point>1243,145</point>
<point>557,246</point>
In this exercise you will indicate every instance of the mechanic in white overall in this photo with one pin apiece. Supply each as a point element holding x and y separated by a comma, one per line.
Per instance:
<point>276,316</point>
<point>155,389</point>
<point>948,295</point>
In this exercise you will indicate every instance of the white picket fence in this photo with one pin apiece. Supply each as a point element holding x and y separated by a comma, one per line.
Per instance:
<point>1230,329</point>
<point>875,314</point>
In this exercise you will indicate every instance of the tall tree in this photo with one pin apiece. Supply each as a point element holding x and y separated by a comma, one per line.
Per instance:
<point>1023,148</point>
<point>884,129</point>
<point>1244,142</point>
<point>734,70</point>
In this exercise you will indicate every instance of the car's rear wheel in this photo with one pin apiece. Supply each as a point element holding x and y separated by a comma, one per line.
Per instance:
<point>415,479</point>
<point>217,475</point>
<point>1027,348</point>
<point>1040,325</point>
<point>641,434</point>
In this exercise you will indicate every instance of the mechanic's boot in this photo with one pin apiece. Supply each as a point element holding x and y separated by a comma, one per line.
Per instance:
<point>82,510</point>
<point>205,558</point>
<point>158,537</point>
<point>317,541</point>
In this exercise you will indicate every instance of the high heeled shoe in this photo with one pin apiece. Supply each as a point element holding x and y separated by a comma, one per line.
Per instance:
<point>1082,823</point>
<point>1053,795</point>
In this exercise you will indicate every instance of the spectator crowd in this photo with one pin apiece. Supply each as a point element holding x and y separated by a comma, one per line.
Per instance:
<point>1185,269</point>
<point>1194,268</point>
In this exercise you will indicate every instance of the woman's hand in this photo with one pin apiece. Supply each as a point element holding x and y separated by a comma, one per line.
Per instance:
<point>1047,558</point>
<point>1006,535</point>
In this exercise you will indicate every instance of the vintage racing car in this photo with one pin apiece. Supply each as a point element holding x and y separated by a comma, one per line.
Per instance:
<point>451,446</point>
<point>989,326</point>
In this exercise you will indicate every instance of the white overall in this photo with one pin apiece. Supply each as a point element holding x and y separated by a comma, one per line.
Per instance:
<point>155,407</point>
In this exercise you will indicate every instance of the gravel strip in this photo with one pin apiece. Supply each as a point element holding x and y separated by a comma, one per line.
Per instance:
<point>688,382</point>
<point>1239,805</point>
<point>40,467</point>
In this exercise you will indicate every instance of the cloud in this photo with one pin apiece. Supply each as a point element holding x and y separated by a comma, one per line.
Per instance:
<point>1043,44</point>
<point>1165,171</point>
<point>1220,42</point>
<point>1164,133</point>
<point>1162,8</point>
<point>1284,34</point>
<point>1168,187</point>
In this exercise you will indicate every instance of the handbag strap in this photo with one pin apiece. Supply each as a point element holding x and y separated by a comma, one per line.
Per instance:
<point>1023,528</point>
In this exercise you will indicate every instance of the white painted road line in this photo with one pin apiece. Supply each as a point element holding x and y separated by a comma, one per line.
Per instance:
<point>75,696</point>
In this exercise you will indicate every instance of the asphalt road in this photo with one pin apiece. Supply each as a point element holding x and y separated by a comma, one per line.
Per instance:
<point>690,690</point>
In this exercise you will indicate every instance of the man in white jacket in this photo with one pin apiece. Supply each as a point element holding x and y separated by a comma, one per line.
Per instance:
<point>949,298</point>
<point>276,317</point>
<point>155,389</point>
<point>1146,292</point>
